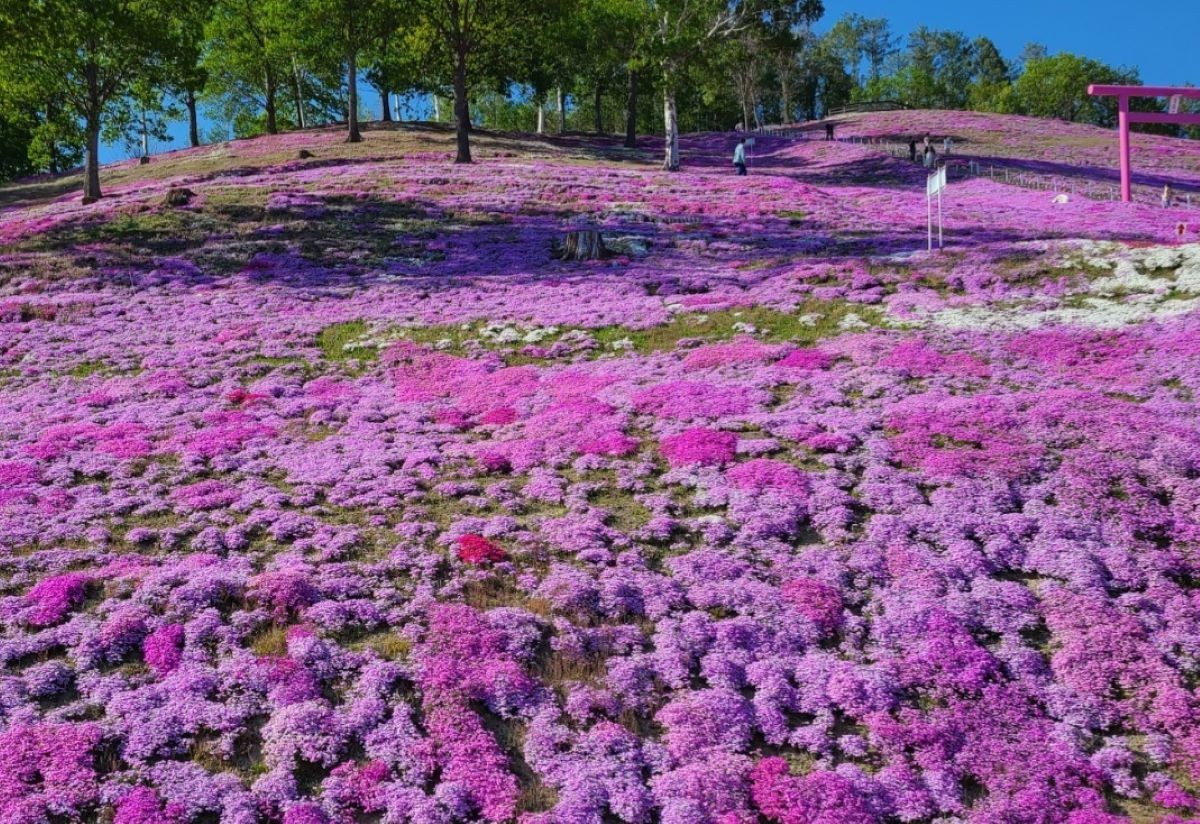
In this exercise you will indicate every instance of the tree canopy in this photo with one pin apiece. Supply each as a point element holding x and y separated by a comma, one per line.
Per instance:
<point>76,73</point>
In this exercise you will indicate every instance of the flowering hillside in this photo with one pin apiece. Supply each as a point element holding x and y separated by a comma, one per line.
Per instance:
<point>332,496</point>
<point>1037,145</point>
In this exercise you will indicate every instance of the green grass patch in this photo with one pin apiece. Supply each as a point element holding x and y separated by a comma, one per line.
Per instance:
<point>811,322</point>
<point>336,342</point>
<point>270,642</point>
<point>88,368</point>
<point>387,643</point>
<point>624,512</point>
<point>274,362</point>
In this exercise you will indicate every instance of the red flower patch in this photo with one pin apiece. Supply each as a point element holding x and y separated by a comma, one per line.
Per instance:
<point>478,550</point>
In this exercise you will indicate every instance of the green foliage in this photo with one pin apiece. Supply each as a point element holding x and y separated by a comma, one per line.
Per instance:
<point>1056,86</point>
<point>117,68</point>
<point>469,44</point>
<point>83,57</point>
<point>16,143</point>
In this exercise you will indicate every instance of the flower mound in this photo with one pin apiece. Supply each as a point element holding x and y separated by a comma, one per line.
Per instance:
<point>706,447</point>
<point>478,550</point>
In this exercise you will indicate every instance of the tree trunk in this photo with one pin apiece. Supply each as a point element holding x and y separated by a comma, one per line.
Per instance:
<point>386,96</point>
<point>671,158</point>
<point>437,109</point>
<point>299,94</point>
<point>631,104</point>
<point>462,110</point>
<point>272,123</point>
<point>145,138</point>
<point>599,114</point>
<point>785,95</point>
<point>745,112</point>
<point>352,133</point>
<point>91,169</point>
<point>193,121</point>
<point>52,149</point>
<point>541,118</point>
<point>562,111</point>
<point>586,244</point>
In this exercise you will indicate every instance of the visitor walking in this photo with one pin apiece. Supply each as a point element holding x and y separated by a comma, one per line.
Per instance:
<point>739,157</point>
<point>829,130</point>
<point>912,150</point>
<point>1168,196</point>
<point>930,158</point>
<point>946,146</point>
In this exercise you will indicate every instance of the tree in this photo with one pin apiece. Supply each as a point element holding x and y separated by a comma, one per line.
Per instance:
<point>825,81</point>
<point>786,26</point>
<point>348,28</point>
<point>938,68</point>
<point>605,47</point>
<point>249,55</point>
<point>36,138</point>
<point>185,74</point>
<point>474,40</point>
<point>683,30</point>
<point>856,39</point>
<point>87,55</point>
<point>16,141</point>
<point>747,59</point>
<point>1056,86</point>
<point>1031,52</point>
<point>992,77</point>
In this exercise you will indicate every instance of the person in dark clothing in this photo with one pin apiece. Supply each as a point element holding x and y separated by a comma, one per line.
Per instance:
<point>912,150</point>
<point>829,131</point>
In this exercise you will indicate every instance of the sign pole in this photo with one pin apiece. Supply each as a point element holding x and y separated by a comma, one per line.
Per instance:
<point>929,219</point>
<point>941,242</point>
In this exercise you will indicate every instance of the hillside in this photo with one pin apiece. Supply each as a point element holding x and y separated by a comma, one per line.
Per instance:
<point>1052,147</point>
<point>333,496</point>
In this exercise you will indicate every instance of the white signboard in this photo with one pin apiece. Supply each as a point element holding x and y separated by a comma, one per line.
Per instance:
<point>750,141</point>
<point>934,186</point>
<point>936,182</point>
<point>1173,105</point>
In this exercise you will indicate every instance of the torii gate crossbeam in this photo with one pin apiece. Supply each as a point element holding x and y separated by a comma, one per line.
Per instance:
<point>1126,117</point>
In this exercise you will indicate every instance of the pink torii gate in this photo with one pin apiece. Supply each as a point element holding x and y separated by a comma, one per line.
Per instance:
<point>1125,117</point>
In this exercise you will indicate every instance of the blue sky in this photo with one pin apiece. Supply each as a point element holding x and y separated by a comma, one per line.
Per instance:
<point>1159,37</point>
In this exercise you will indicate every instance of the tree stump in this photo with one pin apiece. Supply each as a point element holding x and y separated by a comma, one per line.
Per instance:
<point>633,246</point>
<point>179,197</point>
<point>585,244</point>
<point>304,154</point>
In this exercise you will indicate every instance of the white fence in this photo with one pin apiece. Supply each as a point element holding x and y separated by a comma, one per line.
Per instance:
<point>963,166</point>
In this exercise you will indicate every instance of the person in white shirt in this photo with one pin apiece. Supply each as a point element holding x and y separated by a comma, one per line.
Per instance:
<point>739,157</point>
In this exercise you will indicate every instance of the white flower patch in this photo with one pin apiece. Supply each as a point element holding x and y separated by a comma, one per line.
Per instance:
<point>1144,284</point>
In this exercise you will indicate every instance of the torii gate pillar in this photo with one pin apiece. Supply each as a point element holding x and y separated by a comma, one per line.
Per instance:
<point>1125,117</point>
